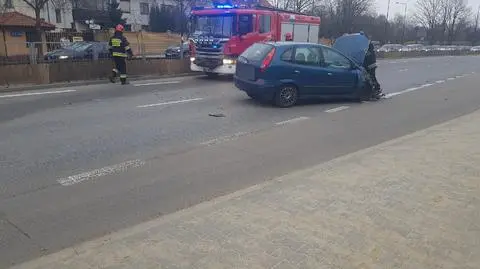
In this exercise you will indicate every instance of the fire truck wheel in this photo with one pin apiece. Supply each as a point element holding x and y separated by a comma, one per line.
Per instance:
<point>286,96</point>
<point>211,75</point>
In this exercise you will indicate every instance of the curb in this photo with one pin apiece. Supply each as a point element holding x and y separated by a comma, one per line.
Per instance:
<point>6,89</point>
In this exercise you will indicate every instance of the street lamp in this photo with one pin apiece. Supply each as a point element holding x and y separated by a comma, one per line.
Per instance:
<point>405,4</point>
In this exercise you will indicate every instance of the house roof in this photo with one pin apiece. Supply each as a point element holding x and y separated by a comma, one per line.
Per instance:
<point>17,19</point>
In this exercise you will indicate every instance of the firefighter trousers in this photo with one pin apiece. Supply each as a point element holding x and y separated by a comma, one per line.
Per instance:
<point>120,68</point>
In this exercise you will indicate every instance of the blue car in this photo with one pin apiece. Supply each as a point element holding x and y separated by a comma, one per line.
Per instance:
<point>285,72</point>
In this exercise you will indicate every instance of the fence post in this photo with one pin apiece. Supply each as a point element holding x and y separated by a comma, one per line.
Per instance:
<point>32,52</point>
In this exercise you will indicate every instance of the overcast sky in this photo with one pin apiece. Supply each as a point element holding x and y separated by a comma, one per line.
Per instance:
<point>395,8</point>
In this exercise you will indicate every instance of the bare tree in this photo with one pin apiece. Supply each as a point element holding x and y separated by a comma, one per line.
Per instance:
<point>37,6</point>
<point>428,15</point>
<point>347,11</point>
<point>458,12</point>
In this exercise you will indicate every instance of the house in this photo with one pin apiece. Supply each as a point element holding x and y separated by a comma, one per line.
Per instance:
<point>16,30</point>
<point>137,12</point>
<point>55,12</point>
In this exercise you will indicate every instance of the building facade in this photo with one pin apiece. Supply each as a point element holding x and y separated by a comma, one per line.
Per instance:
<point>55,12</point>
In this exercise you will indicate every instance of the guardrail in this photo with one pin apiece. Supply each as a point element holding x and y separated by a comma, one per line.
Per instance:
<point>433,53</point>
<point>53,52</point>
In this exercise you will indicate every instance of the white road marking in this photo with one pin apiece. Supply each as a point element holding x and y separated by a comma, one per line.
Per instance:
<point>171,102</point>
<point>291,120</point>
<point>34,93</point>
<point>71,180</point>
<point>390,95</point>
<point>157,83</point>
<point>450,78</point>
<point>224,139</point>
<point>340,108</point>
<point>440,81</point>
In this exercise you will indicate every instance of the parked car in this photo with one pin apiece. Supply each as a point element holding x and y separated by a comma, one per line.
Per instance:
<point>390,48</point>
<point>475,49</point>
<point>79,51</point>
<point>284,72</point>
<point>174,52</point>
<point>413,47</point>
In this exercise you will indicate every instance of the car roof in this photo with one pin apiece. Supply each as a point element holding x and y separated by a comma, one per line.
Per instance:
<point>291,43</point>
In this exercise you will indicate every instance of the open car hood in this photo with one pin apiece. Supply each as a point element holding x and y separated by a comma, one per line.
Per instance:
<point>354,46</point>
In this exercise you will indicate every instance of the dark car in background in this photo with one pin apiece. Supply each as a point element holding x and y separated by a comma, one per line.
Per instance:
<point>79,51</point>
<point>284,72</point>
<point>175,51</point>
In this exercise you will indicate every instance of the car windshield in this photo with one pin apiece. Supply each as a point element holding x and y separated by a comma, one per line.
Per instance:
<point>78,46</point>
<point>217,25</point>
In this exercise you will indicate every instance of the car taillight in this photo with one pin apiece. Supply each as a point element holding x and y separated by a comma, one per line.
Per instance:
<point>267,60</point>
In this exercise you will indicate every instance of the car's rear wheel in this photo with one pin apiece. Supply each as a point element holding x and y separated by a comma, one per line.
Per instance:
<point>286,96</point>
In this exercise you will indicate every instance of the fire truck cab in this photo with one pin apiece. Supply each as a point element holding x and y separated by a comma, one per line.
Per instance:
<point>222,33</point>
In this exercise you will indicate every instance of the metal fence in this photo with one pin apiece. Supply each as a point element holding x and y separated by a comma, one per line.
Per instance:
<point>47,52</point>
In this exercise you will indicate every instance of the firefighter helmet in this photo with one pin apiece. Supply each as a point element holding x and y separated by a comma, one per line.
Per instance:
<point>119,28</point>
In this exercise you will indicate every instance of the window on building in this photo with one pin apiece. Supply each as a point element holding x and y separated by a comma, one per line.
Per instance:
<point>144,10</point>
<point>264,21</point>
<point>58,15</point>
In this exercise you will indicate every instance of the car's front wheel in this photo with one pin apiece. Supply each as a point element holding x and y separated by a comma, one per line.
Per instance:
<point>286,96</point>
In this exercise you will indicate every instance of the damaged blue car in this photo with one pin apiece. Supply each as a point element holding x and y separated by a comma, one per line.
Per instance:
<point>285,72</point>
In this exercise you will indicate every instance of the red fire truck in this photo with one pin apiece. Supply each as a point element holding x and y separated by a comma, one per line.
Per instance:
<point>222,33</point>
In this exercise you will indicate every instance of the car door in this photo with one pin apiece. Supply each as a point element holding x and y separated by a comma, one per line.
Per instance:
<point>307,71</point>
<point>341,77</point>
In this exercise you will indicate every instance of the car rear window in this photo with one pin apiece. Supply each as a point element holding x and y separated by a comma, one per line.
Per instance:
<point>256,52</point>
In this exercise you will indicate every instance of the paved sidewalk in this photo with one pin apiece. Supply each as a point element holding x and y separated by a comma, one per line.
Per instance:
<point>413,202</point>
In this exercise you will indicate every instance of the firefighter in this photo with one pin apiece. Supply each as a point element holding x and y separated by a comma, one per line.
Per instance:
<point>119,50</point>
<point>288,37</point>
<point>370,64</point>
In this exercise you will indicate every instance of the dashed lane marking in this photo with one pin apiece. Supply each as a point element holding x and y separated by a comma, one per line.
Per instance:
<point>336,109</point>
<point>157,83</point>
<point>292,120</point>
<point>121,167</point>
<point>170,102</point>
<point>35,93</point>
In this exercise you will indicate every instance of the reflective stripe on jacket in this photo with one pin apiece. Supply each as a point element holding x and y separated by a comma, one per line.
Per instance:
<point>119,46</point>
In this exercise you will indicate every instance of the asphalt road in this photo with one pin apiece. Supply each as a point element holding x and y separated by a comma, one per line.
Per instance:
<point>77,163</point>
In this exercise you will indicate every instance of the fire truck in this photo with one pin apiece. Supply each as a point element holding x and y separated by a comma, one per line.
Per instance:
<point>223,32</point>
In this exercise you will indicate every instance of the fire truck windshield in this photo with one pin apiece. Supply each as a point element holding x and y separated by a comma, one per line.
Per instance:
<point>216,25</point>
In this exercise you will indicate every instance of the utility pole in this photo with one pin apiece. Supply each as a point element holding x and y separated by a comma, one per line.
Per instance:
<point>386,24</point>
<point>404,19</point>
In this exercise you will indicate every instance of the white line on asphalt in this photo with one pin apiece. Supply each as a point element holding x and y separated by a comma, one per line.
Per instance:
<point>389,95</point>
<point>34,93</point>
<point>340,108</point>
<point>450,78</point>
<point>224,139</point>
<point>71,180</point>
<point>426,85</point>
<point>157,83</point>
<point>440,81</point>
<point>171,102</point>
<point>291,120</point>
